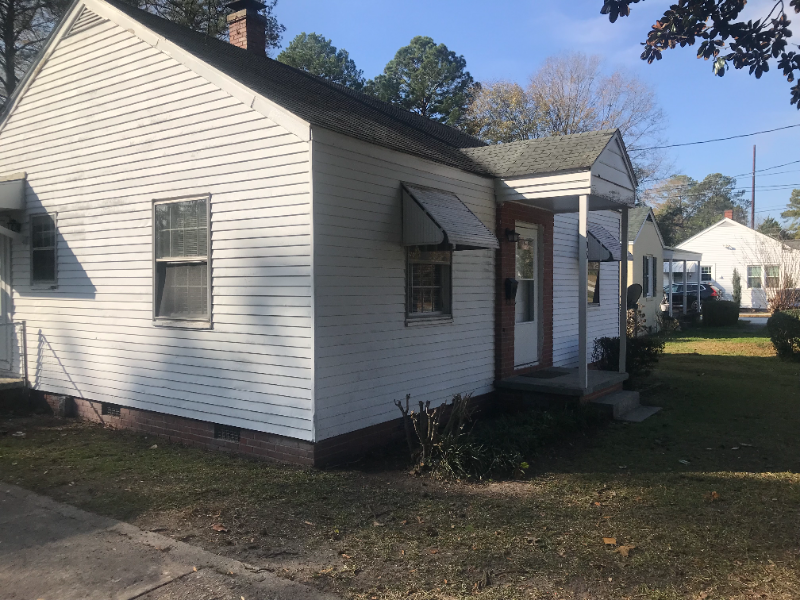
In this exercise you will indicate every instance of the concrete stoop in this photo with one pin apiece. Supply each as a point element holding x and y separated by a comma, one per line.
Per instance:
<point>625,406</point>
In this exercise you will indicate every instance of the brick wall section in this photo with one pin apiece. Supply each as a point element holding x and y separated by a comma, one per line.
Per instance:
<point>507,214</point>
<point>247,29</point>
<point>191,432</point>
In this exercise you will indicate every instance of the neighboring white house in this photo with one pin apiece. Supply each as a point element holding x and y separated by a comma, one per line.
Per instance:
<point>762,262</point>
<point>647,250</point>
<point>206,243</point>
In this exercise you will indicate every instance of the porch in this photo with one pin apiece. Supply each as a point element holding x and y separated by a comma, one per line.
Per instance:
<point>563,206</point>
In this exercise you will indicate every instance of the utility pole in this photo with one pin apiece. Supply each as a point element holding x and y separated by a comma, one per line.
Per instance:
<point>753,193</point>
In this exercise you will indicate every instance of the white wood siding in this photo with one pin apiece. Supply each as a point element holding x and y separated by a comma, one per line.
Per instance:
<point>108,125</point>
<point>603,320</point>
<point>538,187</point>
<point>366,357</point>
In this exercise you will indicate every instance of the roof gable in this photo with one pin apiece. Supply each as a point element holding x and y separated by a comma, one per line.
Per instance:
<point>637,217</point>
<point>543,155</point>
<point>310,99</point>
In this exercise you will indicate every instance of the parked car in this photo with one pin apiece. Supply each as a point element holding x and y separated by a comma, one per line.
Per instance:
<point>708,293</point>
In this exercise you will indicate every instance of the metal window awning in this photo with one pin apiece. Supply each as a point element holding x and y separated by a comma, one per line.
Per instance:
<point>432,217</point>
<point>603,246</point>
<point>12,191</point>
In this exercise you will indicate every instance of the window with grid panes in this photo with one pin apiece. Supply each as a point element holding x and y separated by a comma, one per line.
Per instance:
<point>754,276</point>
<point>429,282</point>
<point>181,255</point>
<point>705,273</point>
<point>43,250</point>
<point>773,273</point>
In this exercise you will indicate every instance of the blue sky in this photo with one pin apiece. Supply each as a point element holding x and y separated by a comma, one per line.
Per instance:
<point>509,39</point>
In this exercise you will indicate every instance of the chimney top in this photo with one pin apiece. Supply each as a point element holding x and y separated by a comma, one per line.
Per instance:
<point>238,5</point>
<point>729,214</point>
<point>246,27</point>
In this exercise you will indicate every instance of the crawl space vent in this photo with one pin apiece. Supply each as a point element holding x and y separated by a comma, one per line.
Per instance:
<point>226,432</point>
<point>112,410</point>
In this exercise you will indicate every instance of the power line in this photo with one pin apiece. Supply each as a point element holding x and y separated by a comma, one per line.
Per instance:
<point>725,139</point>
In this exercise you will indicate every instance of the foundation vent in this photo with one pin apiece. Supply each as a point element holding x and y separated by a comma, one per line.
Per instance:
<point>111,410</point>
<point>226,432</point>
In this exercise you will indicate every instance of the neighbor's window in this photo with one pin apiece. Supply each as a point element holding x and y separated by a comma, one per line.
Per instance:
<point>594,282</point>
<point>754,276</point>
<point>705,273</point>
<point>646,276</point>
<point>773,276</point>
<point>181,286</point>
<point>43,249</point>
<point>429,282</point>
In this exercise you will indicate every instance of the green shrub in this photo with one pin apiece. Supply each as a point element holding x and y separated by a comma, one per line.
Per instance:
<point>641,353</point>
<point>720,313</point>
<point>784,331</point>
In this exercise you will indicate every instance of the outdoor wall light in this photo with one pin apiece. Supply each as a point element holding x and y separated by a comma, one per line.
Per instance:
<point>512,236</point>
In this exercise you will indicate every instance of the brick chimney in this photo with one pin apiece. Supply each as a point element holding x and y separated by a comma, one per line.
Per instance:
<point>729,214</point>
<point>246,27</point>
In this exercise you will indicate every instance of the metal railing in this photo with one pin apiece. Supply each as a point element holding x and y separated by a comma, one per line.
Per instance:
<point>14,351</point>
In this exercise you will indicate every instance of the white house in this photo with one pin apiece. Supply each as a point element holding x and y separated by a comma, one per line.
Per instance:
<point>646,247</point>
<point>763,263</point>
<point>219,248</point>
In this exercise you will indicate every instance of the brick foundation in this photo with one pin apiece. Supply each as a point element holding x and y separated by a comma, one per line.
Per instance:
<point>507,215</point>
<point>191,432</point>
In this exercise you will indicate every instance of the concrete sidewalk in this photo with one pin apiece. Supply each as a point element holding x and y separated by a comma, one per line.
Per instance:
<point>53,551</point>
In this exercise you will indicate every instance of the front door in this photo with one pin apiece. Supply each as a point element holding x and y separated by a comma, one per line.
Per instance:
<point>526,327</point>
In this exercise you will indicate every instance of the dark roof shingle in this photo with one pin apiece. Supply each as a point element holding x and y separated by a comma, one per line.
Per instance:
<point>636,218</point>
<point>542,155</point>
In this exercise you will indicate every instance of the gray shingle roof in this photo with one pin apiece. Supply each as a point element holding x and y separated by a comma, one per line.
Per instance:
<point>636,218</point>
<point>542,155</point>
<point>320,102</point>
<point>793,244</point>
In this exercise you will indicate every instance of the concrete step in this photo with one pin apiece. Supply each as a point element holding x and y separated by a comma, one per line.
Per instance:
<point>618,403</point>
<point>637,415</point>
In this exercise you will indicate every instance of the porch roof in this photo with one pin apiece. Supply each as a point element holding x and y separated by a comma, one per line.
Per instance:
<point>12,191</point>
<point>678,254</point>
<point>542,155</point>
<point>553,173</point>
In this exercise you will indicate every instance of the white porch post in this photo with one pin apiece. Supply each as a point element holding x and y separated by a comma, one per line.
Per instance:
<point>699,277</point>
<point>623,289</point>
<point>685,279</point>
<point>670,286</point>
<point>583,285</point>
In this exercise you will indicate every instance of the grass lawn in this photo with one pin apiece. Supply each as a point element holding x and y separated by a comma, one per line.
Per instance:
<point>702,500</point>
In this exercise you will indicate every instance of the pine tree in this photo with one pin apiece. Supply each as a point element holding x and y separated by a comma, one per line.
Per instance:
<point>793,212</point>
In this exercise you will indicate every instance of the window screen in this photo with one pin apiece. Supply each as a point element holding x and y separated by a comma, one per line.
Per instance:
<point>181,251</point>
<point>705,273</point>
<point>429,282</point>
<point>594,282</point>
<point>43,249</point>
<point>754,276</point>
<point>773,276</point>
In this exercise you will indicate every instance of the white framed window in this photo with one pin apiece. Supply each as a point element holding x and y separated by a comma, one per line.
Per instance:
<point>428,283</point>
<point>705,273</point>
<point>181,266</point>
<point>773,276</point>
<point>754,276</point>
<point>593,289</point>
<point>44,250</point>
